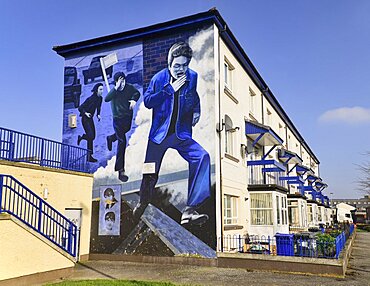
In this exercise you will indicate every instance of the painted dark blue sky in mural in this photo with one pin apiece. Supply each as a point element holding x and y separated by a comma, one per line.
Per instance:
<point>313,55</point>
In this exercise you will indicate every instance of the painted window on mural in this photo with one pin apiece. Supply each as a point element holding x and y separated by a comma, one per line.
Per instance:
<point>261,209</point>
<point>230,209</point>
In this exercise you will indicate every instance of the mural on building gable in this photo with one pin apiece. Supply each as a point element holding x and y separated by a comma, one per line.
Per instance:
<point>157,142</point>
<point>95,119</point>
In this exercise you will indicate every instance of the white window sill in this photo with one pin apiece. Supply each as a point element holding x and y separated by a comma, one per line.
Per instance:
<point>229,93</point>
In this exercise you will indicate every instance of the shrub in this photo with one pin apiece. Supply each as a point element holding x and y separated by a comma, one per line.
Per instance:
<point>325,245</point>
<point>335,233</point>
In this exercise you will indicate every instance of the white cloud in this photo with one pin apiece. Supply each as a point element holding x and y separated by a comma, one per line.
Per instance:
<point>350,115</point>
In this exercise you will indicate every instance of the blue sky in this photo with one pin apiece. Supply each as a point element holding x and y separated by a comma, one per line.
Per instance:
<point>313,54</point>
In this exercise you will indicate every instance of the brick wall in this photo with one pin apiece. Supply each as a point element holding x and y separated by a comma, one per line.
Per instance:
<point>155,53</point>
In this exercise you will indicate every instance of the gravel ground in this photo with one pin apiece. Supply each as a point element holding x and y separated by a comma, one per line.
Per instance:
<point>358,272</point>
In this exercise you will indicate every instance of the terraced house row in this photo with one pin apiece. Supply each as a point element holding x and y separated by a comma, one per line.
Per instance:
<point>210,151</point>
<point>269,176</point>
<point>186,143</point>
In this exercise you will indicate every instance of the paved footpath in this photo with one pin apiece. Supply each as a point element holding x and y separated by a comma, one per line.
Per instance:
<point>358,272</point>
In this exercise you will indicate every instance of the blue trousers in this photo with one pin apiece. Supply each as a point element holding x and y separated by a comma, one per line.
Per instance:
<point>199,184</point>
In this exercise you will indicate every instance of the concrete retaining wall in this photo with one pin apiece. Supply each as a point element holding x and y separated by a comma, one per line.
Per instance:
<point>24,253</point>
<point>156,259</point>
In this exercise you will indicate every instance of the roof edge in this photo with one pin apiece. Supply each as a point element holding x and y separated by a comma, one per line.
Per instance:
<point>67,49</point>
<point>212,15</point>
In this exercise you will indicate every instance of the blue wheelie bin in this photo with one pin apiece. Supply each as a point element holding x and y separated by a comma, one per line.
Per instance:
<point>284,244</point>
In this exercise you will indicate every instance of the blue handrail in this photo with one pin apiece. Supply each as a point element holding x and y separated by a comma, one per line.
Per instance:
<point>20,147</point>
<point>19,201</point>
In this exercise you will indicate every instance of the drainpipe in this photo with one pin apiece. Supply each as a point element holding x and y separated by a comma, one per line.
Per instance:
<point>220,136</point>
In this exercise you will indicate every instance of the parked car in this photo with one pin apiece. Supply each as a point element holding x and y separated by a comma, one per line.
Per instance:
<point>95,70</point>
<point>72,86</point>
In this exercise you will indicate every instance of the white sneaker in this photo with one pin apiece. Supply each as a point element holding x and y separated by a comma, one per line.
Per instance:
<point>191,216</point>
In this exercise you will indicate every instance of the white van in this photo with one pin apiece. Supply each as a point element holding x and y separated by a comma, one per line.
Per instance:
<point>344,213</point>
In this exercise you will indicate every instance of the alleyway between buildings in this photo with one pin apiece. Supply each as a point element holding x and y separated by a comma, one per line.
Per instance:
<point>358,272</point>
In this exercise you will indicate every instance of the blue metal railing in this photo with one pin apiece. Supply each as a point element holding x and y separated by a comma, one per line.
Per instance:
<point>248,244</point>
<point>20,147</point>
<point>340,242</point>
<point>300,244</point>
<point>351,228</point>
<point>257,176</point>
<point>20,202</point>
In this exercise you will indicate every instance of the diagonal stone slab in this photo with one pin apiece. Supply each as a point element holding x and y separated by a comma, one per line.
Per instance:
<point>176,237</point>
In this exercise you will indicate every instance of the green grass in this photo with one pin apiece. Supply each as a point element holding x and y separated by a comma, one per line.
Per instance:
<point>106,282</point>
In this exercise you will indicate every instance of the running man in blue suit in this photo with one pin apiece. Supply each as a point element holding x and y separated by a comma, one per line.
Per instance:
<point>175,105</point>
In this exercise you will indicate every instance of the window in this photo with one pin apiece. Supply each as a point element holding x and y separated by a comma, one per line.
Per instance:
<point>293,213</point>
<point>268,120</point>
<point>281,131</point>
<point>319,215</point>
<point>230,137</point>
<point>228,68</point>
<point>315,211</point>
<point>303,208</point>
<point>230,210</point>
<point>281,210</point>
<point>278,210</point>
<point>309,213</point>
<point>252,101</point>
<point>284,210</point>
<point>261,209</point>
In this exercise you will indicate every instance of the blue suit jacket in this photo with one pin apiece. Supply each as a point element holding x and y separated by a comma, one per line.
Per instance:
<point>160,97</point>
